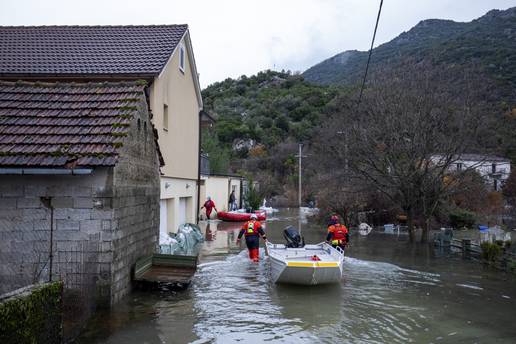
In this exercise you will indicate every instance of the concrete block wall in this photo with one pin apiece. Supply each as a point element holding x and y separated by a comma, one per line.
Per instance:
<point>136,186</point>
<point>80,206</point>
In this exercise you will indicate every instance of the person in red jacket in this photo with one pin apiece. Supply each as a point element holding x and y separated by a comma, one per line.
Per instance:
<point>209,205</point>
<point>252,230</point>
<point>338,234</point>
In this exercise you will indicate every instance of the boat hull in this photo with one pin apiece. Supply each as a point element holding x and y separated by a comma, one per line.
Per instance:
<point>306,272</point>
<point>240,217</point>
<point>306,275</point>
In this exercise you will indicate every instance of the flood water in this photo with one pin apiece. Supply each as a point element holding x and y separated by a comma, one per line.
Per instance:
<point>392,292</point>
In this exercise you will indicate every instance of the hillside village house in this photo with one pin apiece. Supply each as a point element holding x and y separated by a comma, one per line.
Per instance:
<point>494,169</point>
<point>161,55</point>
<point>79,184</point>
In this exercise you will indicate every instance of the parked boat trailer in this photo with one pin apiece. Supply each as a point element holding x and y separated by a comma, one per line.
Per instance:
<point>172,271</point>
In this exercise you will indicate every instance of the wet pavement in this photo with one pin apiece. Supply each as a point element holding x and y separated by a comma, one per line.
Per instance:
<point>392,292</point>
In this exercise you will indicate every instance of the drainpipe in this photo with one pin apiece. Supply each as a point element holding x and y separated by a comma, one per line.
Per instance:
<point>47,202</point>
<point>198,172</point>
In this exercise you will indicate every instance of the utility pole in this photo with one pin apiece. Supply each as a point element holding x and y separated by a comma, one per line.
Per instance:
<point>300,156</point>
<point>300,160</point>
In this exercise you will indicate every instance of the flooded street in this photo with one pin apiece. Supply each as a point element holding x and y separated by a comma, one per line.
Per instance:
<point>391,293</point>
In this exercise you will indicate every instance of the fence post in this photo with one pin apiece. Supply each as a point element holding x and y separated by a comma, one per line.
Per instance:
<point>466,247</point>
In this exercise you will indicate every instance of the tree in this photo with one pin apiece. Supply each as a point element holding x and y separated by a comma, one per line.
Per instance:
<point>404,139</point>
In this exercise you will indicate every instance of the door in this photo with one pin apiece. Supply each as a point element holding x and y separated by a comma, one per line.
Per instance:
<point>182,211</point>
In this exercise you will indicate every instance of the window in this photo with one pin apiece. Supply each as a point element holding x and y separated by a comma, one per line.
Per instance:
<point>493,168</point>
<point>182,58</point>
<point>459,166</point>
<point>165,117</point>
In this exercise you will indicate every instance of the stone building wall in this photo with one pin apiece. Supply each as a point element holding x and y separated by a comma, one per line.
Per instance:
<point>82,213</point>
<point>103,221</point>
<point>136,188</point>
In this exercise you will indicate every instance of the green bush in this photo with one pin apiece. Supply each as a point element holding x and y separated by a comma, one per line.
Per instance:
<point>462,218</point>
<point>253,198</point>
<point>33,316</point>
<point>491,251</point>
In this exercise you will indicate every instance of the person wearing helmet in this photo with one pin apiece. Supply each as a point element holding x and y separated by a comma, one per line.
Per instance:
<point>252,230</point>
<point>333,220</point>
<point>338,234</point>
<point>209,205</point>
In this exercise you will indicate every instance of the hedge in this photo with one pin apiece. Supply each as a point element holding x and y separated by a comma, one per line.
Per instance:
<point>32,315</point>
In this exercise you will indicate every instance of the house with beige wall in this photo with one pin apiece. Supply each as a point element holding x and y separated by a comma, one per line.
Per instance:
<point>219,187</point>
<point>161,56</point>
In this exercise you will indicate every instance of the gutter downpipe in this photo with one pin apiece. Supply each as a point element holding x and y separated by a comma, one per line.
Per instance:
<point>47,202</point>
<point>199,171</point>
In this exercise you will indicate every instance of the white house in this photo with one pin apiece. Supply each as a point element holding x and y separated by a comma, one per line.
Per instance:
<point>494,169</point>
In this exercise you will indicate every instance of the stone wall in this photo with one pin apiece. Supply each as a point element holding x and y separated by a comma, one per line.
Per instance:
<point>136,187</point>
<point>82,214</point>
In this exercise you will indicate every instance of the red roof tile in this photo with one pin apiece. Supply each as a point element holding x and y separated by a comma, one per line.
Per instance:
<point>65,124</point>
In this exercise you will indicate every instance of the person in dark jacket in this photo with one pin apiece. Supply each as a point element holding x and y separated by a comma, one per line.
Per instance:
<point>252,230</point>
<point>232,201</point>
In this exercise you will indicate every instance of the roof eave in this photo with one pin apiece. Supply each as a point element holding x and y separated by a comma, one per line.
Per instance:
<point>75,76</point>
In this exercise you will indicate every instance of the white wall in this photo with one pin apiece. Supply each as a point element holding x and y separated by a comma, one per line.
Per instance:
<point>173,190</point>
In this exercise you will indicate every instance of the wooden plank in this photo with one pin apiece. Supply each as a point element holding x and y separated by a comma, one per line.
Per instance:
<point>168,275</point>
<point>174,260</point>
<point>142,265</point>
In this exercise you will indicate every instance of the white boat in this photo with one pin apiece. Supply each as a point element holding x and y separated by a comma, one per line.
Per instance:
<point>307,211</point>
<point>307,265</point>
<point>268,210</point>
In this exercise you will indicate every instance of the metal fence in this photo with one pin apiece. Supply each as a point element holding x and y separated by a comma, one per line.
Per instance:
<point>26,259</point>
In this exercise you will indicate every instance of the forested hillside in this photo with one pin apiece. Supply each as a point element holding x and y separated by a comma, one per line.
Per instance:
<point>489,42</point>
<point>255,114</point>
<point>262,118</point>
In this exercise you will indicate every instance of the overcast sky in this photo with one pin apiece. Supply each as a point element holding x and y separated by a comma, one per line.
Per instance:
<point>235,37</point>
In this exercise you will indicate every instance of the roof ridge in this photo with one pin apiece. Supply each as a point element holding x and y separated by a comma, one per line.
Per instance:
<point>93,26</point>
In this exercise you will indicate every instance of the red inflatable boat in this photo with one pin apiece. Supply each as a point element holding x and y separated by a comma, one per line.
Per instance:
<point>240,217</point>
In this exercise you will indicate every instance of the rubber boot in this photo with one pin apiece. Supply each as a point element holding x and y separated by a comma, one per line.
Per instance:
<point>256,255</point>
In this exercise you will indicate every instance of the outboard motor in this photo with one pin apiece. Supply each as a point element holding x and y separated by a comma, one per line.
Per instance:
<point>294,240</point>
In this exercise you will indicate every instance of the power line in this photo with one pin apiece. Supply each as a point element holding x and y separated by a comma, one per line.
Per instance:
<point>370,53</point>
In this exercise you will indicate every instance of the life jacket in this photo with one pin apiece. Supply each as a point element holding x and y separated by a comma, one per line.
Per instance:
<point>339,234</point>
<point>251,228</point>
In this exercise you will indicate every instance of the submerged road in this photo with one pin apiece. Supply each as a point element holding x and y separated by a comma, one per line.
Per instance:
<point>392,292</point>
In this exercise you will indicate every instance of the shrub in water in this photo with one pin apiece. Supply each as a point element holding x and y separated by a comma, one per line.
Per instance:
<point>462,218</point>
<point>490,251</point>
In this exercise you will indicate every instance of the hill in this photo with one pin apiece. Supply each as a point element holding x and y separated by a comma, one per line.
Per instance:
<point>260,120</point>
<point>264,110</point>
<point>489,42</point>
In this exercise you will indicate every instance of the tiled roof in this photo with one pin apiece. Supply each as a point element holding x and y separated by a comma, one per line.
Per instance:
<point>65,124</point>
<point>87,50</point>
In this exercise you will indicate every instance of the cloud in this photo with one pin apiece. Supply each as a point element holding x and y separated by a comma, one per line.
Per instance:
<point>235,37</point>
